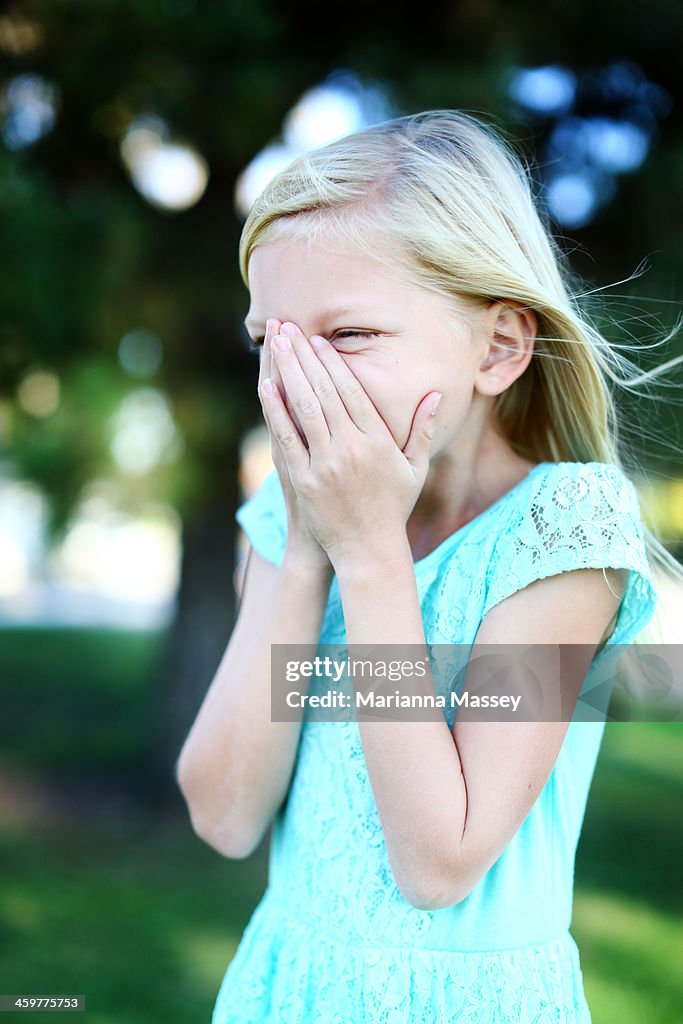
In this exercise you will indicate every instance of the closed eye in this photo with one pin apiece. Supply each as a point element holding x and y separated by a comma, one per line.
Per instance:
<point>346,333</point>
<point>353,333</point>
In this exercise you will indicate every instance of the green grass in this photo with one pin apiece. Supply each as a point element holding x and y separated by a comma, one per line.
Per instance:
<point>628,909</point>
<point>131,909</point>
<point>138,915</point>
<point>77,701</point>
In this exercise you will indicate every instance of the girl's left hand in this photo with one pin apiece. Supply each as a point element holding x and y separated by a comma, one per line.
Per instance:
<point>356,487</point>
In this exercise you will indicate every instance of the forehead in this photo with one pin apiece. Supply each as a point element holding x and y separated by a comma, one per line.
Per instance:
<point>311,272</point>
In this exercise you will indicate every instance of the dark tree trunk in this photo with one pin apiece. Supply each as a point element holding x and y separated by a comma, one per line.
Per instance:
<point>200,631</point>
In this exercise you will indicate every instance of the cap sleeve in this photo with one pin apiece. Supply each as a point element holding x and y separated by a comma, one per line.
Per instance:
<point>578,516</point>
<point>263,517</point>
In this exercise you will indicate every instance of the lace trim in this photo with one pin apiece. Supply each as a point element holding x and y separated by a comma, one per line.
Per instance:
<point>579,516</point>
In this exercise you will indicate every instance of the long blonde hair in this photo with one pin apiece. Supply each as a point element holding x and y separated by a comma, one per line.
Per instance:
<point>459,209</point>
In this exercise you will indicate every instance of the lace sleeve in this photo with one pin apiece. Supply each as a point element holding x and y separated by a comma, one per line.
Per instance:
<point>263,517</point>
<point>579,516</point>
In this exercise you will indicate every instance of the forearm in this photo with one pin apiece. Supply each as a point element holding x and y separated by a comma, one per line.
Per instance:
<point>236,764</point>
<point>414,767</point>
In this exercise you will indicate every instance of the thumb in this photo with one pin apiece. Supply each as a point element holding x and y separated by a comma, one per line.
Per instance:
<point>422,433</point>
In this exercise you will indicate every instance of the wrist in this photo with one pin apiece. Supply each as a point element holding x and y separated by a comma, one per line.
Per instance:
<point>379,554</point>
<point>307,558</point>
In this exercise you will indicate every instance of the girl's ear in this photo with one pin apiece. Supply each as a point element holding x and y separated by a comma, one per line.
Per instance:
<point>509,333</point>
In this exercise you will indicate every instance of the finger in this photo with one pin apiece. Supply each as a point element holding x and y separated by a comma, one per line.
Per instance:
<point>324,388</point>
<point>301,396</point>
<point>273,371</point>
<point>266,366</point>
<point>281,428</point>
<point>416,448</point>
<point>264,370</point>
<point>279,384</point>
<point>357,402</point>
<point>268,371</point>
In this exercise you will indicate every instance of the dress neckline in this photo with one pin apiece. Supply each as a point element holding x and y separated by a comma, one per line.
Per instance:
<point>434,555</point>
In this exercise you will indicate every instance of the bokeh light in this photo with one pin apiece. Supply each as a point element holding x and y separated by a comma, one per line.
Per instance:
<point>571,199</point>
<point>144,432</point>
<point>110,568</point>
<point>169,174</point>
<point>342,104</point>
<point>547,90</point>
<point>141,352</point>
<point>584,152</point>
<point>617,146</point>
<point>130,559</point>
<point>28,105</point>
<point>613,145</point>
<point>323,114</point>
<point>38,392</point>
<point>262,169</point>
<point>19,34</point>
<point>23,517</point>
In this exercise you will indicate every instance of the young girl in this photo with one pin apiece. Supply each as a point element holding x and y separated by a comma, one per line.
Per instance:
<point>446,472</point>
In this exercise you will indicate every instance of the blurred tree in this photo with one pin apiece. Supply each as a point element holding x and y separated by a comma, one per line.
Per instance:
<point>87,259</point>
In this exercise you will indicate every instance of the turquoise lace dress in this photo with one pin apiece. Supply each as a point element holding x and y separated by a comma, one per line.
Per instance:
<point>332,939</point>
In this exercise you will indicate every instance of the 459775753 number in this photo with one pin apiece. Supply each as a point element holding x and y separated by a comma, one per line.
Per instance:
<point>26,1002</point>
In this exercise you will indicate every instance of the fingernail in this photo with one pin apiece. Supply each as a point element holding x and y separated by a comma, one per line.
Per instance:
<point>281,343</point>
<point>435,405</point>
<point>289,329</point>
<point>317,341</point>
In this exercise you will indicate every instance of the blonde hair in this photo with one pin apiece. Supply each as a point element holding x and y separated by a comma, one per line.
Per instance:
<point>457,207</point>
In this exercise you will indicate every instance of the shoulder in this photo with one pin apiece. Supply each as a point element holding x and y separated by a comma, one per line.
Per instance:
<point>577,529</point>
<point>582,490</point>
<point>573,514</point>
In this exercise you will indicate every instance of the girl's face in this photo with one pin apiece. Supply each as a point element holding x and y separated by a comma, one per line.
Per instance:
<point>400,340</point>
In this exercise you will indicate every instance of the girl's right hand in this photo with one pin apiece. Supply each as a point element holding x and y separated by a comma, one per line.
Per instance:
<point>301,545</point>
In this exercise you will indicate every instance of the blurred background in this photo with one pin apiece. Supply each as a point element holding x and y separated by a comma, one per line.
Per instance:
<point>133,139</point>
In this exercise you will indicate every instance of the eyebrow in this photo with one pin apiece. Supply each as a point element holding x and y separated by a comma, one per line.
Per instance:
<point>327,314</point>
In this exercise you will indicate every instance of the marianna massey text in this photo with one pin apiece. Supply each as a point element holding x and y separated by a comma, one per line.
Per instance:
<point>336,699</point>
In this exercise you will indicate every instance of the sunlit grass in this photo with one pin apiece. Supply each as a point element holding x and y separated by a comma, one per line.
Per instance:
<point>628,906</point>
<point>632,959</point>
